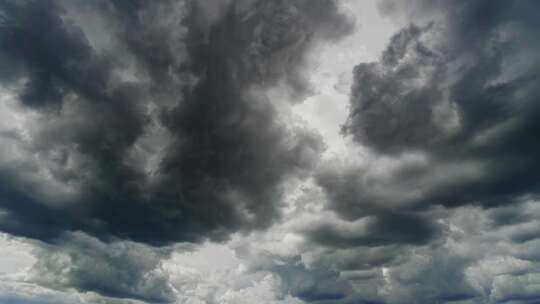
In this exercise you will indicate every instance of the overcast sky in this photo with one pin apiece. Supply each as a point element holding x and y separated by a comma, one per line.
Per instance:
<point>269,151</point>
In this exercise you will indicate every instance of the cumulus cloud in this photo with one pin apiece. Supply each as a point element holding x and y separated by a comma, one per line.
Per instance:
<point>153,117</point>
<point>150,152</point>
<point>444,124</point>
<point>447,115</point>
<point>476,258</point>
<point>454,91</point>
<point>121,269</point>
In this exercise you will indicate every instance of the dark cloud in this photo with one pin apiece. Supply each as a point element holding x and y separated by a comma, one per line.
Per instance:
<point>157,124</point>
<point>118,270</point>
<point>384,229</point>
<point>54,56</point>
<point>473,260</point>
<point>450,112</point>
<point>130,122</point>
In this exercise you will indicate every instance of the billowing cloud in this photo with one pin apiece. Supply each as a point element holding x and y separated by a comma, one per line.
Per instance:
<point>447,116</point>
<point>152,118</point>
<point>189,151</point>
<point>119,269</point>
<point>476,258</point>
<point>443,158</point>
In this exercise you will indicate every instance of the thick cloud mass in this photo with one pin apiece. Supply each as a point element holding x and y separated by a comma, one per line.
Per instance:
<point>156,152</point>
<point>151,117</point>
<point>119,270</point>
<point>451,111</point>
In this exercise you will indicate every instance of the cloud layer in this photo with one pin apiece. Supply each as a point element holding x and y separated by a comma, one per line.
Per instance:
<point>154,152</point>
<point>449,113</point>
<point>155,127</point>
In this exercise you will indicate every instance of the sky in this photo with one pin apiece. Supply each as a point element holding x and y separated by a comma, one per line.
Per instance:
<point>269,151</point>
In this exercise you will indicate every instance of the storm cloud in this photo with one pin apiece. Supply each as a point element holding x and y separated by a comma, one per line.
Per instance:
<point>449,115</point>
<point>156,126</point>
<point>211,151</point>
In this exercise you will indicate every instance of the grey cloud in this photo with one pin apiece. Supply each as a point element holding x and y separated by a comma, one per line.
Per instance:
<point>387,195</point>
<point>475,259</point>
<point>309,284</point>
<point>119,270</point>
<point>384,229</point>
<point>155,127</point>
<point>164,133</point>
<point>449,114</point>
<point>445,120</point>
